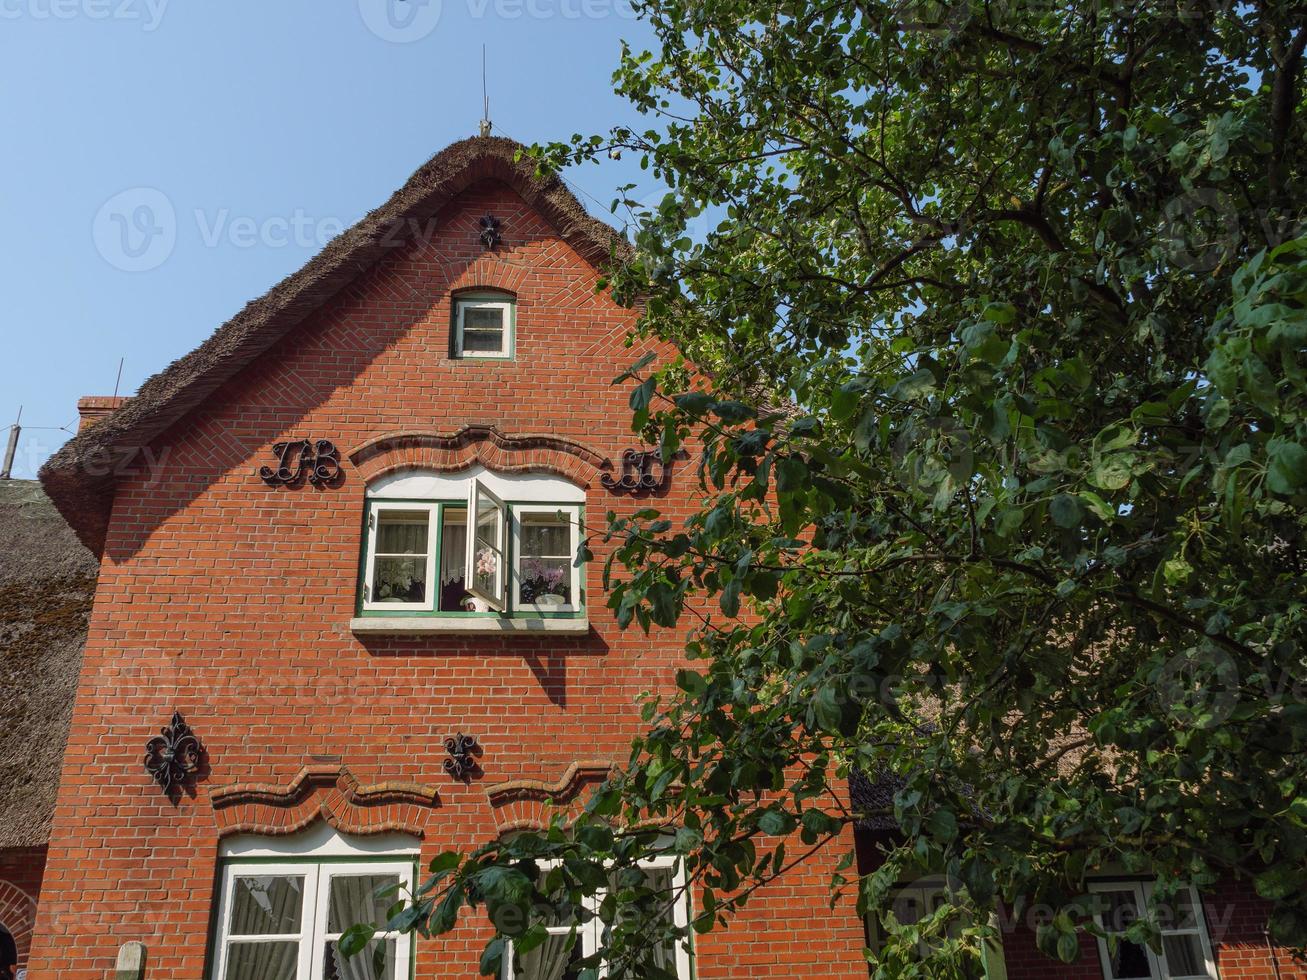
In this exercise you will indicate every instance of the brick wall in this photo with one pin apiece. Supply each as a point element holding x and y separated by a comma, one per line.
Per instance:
<point>230,601</point>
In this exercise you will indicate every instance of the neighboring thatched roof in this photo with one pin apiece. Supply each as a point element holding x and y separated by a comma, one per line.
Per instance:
<point>79,478</point>
<point>47,583</point>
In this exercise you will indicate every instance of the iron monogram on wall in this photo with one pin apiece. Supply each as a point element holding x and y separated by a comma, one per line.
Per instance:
<point>318,459</point>
<point>638,472</point>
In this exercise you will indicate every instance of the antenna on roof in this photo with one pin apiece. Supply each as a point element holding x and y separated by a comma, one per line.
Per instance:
<point>485,97</point>
<point>119,379</point>
<point>14,430</point>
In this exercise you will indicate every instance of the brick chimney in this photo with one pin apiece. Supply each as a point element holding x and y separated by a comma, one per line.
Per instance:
<point>92,408</point>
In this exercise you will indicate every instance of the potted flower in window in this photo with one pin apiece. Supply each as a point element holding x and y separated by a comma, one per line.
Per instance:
<point>484,576</point>
<point>545,582</point>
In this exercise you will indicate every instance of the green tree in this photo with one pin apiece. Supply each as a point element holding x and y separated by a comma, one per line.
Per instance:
<point>1004,451</point>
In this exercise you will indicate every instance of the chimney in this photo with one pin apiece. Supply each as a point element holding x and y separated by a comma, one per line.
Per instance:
<point>92,408</point>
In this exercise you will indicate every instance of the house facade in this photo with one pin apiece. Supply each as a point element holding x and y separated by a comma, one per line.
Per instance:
<point>338,627</point>
<point>335,538</point>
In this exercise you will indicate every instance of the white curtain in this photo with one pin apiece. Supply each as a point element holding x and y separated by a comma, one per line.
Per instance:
<point>550,959</point>
<point>265,905</point>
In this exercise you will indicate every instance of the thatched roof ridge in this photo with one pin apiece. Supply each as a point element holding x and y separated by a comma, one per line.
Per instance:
<point>79,478</point>
<point>47,583</point>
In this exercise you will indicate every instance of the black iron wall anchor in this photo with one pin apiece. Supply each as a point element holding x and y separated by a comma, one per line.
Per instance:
<point>490,232</point>
<point>463,750</point>
<point>173,755</point>
<point>318,459</point>
<point>638,472</point>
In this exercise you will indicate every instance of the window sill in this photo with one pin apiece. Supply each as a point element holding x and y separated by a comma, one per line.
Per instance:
<point>427,625</point>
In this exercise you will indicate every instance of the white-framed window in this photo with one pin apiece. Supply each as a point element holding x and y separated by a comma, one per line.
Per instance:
<point>1186,952</point>
<point>552,960</point>
<point>910,904</point>
<point>483,326</point>
<point>517,554</point>
<point>281,914</point>
<point>545,542</point>
<point>401,559</point>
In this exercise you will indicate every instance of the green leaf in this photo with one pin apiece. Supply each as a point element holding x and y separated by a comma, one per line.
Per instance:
<point>1286,467</point>
<point>1066,510</point>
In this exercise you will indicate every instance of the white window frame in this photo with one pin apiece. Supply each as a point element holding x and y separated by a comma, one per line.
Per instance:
<point>375,509</point>
<point>477,493</point>
<point>573,515</point>
<point>589,934</point>
<point>461,306</point>
<point>1157,964</point>
<point>312,935</point>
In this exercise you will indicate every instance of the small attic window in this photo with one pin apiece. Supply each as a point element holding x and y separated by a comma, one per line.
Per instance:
<point>483,326</point>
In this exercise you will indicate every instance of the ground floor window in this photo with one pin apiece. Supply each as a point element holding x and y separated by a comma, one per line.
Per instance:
<point>911,904</point>
<point>1186,951</point>
<point>281,917</point>
<point>553,960</point>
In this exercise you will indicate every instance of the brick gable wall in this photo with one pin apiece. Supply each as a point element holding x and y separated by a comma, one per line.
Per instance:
<point>230,601</point>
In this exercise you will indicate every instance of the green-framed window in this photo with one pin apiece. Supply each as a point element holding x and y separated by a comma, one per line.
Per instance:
<point>484,326</point>
<point>475,554</point>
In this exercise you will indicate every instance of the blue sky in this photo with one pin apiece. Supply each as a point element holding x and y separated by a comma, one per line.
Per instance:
<point>253,130</point>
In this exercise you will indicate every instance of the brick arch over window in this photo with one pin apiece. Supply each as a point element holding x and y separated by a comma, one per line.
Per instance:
<point>529,804</point>
<point>324,792</point>
<point>483,444</point>
<point>18,916</point>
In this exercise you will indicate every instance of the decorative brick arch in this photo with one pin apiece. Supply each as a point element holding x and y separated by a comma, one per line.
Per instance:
<point>323,792</point>
<point>18,915</point>
<point>488,272</point>
<point>483,444</point>
<point>529,804</point>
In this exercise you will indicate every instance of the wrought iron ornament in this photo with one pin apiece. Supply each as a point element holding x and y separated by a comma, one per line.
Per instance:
<point>462,751</point>
<point>490,233</point>
<point>173,755</point>
<point>638,472</point>
<point>317,458</point>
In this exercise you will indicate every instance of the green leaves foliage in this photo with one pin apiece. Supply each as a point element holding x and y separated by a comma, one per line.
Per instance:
<point>998,322</point>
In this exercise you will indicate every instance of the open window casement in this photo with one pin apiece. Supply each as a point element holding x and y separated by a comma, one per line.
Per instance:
<point>487,546</point>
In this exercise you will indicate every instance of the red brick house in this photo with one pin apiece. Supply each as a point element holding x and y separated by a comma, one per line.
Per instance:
<point>335,540</point>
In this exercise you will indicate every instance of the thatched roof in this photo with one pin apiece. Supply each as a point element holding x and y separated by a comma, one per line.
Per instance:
<point>79,478</point>
<point>47,582</point>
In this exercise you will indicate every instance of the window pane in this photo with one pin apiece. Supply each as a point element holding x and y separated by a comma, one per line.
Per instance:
<point>353,901</point>
<point>1184,956</point>
<point>1178,912</point>
<point>1129,961</point>
<point>551,960</point>
<point>400,580</point>
<point>266,905</point>
<point>483,341</point>
<point>546,535</point>
<point>263,961</point>
<point>490,318</point>
<point>402,532</point>
<point>453,560</point>
<point>376,961</point>
<point>486,572</point>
